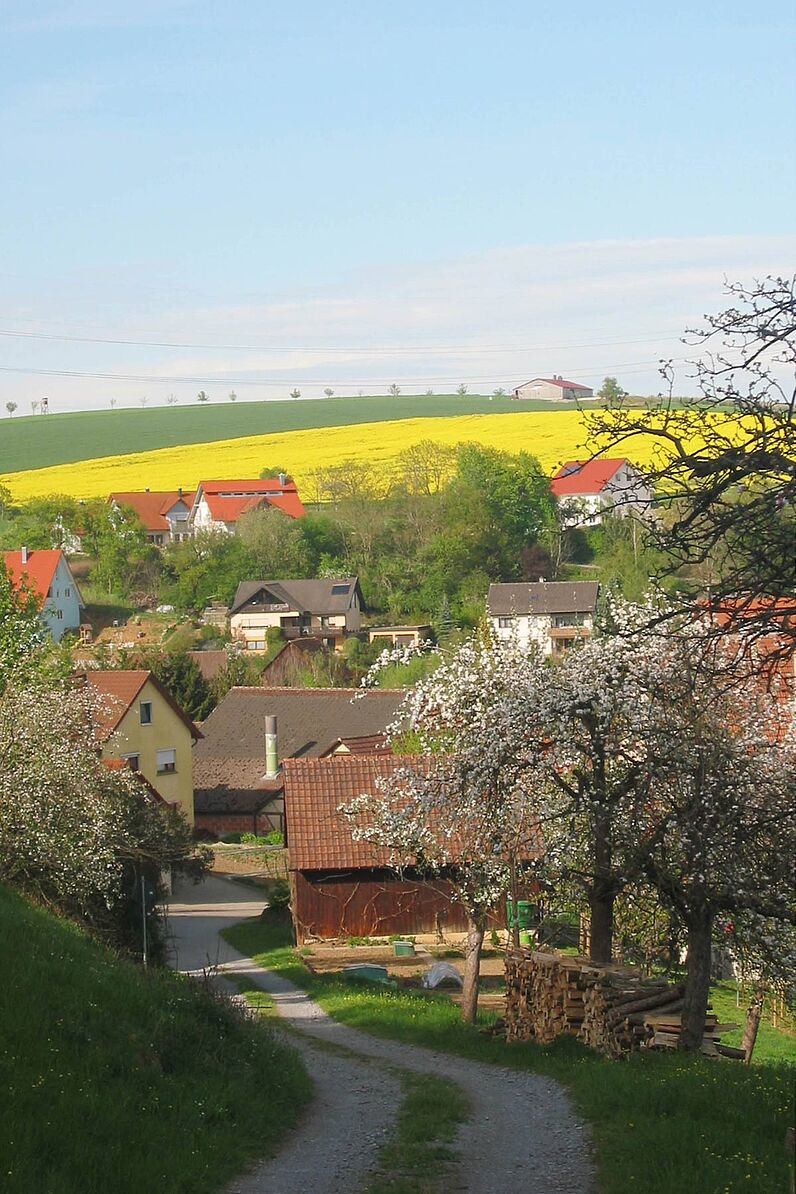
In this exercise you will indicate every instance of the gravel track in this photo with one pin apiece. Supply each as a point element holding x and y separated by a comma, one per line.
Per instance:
<point>522,1138</point>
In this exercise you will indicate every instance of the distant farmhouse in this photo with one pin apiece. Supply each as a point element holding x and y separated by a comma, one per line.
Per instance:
<point>329,610</point>
<point>552,389</point>
<point>48,575</point>
<point>585,490</point>
<point>550,614</point>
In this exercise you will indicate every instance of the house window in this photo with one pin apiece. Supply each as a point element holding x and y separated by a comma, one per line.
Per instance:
<point>133,762</point>
<point>67,592</point>
<point>255,644</point>
<point>145,713</point>
<point>58,614</point>
<point>166,761</point>
<point>505,623</point>
<point>339,590</point>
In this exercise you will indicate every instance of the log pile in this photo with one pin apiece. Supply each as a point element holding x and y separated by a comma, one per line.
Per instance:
<point>613,1009</point>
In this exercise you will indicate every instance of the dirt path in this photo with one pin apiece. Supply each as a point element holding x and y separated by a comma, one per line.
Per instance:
<point>523,1137</point>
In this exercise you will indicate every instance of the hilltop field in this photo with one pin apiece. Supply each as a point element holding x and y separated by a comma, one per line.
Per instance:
<point>162,449</point>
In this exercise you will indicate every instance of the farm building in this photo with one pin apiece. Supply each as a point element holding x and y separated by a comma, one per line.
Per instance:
<point>236,787</point>
<point>345,888</point>
<point>586,490</point>
<point>552,389</point>
<point>551,614</point>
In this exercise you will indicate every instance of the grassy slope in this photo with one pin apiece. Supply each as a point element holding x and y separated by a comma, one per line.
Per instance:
<point>115,1079</point>
<point>39,441</point>
<point>660,1122</point>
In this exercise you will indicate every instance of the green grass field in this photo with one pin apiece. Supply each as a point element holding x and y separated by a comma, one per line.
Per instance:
<point>117,1079</point>
<point>39,441</point>
<point>660,1122</point>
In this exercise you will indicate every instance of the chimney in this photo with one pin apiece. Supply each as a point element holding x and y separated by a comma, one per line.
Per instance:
<point>271,752</point>
<point>283,479</point>
<point>24,554</point>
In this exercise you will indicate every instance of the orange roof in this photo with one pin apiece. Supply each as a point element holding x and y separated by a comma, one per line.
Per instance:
<point>38,571</point>
<point>228,500</point>
<point>116,690</point>
<point>584,476</point>
<point>152,507</point>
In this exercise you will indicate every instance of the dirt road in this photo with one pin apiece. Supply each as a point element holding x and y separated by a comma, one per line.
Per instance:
<point>522,1138</point>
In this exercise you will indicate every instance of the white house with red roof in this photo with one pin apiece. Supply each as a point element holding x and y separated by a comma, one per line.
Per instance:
<point>586,489</point>
<point>48,575</point>
<point>552,389</point>
<point>164,514</point>
<point>218,505</point>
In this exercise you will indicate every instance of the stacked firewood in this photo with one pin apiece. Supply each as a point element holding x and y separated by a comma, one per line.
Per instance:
<point>544,997</point>
<point>613,1009</point>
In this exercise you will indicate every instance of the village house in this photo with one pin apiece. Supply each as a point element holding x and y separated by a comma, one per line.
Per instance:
<point>329,610</point>
<point>138,721</point>
<point>552,389</point>
<point>552,615</point>
<point>163,514</point>
<point>238,775</point>
<point>586,490</point>
<point>218,505</point>
<point>48,575</point>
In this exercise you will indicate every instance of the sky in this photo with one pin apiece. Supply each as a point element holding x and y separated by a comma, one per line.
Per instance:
<point>259,196</point>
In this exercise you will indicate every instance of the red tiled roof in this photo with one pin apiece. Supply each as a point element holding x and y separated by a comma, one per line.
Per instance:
<point>584,476</point>
<point>228,500</point>
<point>115,691</point>
<point>320,838</point>
<point>38,571</point>
<point>557,381</point>
<point>151,506</point>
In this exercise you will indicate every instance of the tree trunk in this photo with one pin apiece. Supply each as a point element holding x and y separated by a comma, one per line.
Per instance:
<point>753,1014</point>
<point>601,906</point>
<point>472,969</point>
<point>697,983</point>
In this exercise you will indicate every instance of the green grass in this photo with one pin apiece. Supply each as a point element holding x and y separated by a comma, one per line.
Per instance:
<point>418,1157</point>
<point>38,441</point>
<point>660,1122</point>
<point>118,1079</point>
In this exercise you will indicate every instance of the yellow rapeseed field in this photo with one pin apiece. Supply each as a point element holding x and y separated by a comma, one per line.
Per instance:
<point>552,436</point>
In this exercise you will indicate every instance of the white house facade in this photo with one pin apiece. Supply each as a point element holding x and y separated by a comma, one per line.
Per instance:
<point>551,615</point>
<point>586,490</point>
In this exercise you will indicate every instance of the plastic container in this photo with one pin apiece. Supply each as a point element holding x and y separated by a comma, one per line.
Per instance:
<point>525,912</point>
<point>525,937</point>
<point>403,949</point>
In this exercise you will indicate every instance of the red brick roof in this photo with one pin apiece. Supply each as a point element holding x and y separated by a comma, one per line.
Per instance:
<point>319,837</point>
<point>38,571</point>
<point>584,476</point>
<point>152,507</point>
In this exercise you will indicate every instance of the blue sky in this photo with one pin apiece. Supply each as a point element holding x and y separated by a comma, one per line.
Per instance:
<point>341,182</point>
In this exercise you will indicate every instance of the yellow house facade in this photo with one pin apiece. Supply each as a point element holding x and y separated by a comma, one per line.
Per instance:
<point>137,720</point>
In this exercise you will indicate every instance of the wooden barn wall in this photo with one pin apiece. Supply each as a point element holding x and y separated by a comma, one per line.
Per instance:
<point>370,904</point>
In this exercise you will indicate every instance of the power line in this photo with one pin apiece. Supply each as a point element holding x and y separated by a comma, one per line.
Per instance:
<point>209,379</point>
<point>349,350</point>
